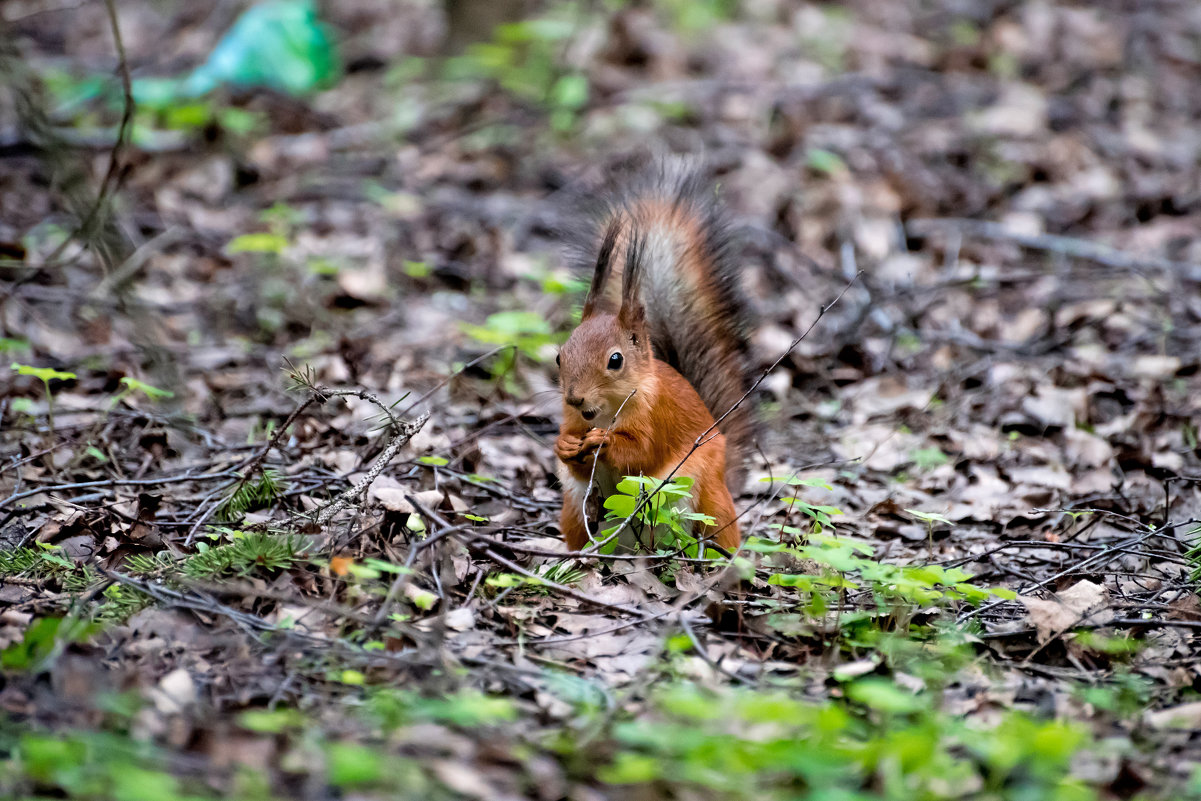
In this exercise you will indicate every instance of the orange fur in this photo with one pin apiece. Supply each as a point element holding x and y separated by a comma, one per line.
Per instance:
<point>626,412</point>
<point>651,438</point>
<point>657,356</point>
<point>695,316</point>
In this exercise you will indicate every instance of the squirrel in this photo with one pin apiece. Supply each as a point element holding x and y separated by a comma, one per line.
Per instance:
<point>658,356</point>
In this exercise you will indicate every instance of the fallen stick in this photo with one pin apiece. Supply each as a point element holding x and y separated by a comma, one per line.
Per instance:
<point>404,433</point>
<point>1053,243</point>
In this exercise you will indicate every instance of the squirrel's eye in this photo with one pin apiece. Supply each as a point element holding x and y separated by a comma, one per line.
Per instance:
<point>557,362</point>
<point>615,361</point>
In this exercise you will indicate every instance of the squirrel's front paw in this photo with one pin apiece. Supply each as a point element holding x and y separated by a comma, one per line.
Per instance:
<point>576,448</point>
<point>594,439</point>
<point>567,447</point>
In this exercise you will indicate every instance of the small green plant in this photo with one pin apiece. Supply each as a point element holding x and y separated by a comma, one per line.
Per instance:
<point>11,345</point>
<point>1125,695</point>
<point>528,333</point>
<point>1188,435</point>
<point>525,59</point>
<point>926,459</point>
<point>554,281</point>
<point>929,518</point>
<point>45,375</point>
<point>45,561</point>
<point>89,765</point>
<point>566,573</point>
<point>1193,555</point>
<point>819,515</point>
<point>825,162</point>
<point>259,242</point>
<point>844,565</point>
<point>248,495</point>
<point>130,386</point>
<point>693,16</point>
<point>391,708</point>
<point>44,639</point>
<point>880,742</point>
<point>527,330</point>
<point>245,553</point>
<point>666,512</point>
<point>120,602</point>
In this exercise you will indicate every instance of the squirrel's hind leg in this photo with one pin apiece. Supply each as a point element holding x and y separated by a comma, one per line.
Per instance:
<point>571,519</point>
<point>714,499</point>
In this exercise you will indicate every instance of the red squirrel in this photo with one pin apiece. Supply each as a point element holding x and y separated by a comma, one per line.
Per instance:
<point>658,355</point>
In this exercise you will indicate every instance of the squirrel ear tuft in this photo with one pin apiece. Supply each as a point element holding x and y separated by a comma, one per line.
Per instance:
<point>604,263</point>
<point>632,315</point>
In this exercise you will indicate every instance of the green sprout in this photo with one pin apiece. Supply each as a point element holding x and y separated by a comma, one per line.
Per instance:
<point>129,386</point>
<point>45,375</point>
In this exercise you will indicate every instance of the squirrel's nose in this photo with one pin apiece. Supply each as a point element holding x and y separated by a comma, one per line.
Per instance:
<point>573,400</point>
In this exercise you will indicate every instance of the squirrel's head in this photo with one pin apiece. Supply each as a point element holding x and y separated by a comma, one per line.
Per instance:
<point>609,354</point>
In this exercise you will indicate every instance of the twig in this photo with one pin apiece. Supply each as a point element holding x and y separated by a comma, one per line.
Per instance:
<point>111,482</point>
<point>108,183</point>
<point>363,394</point>
<point>249,466</point>
<point>403,578</point>
<point>592,478</point>
<point>699,647</point>
<point>1063,245</point>
<point>562,589</point>
<point>1109,554</point>
<point>452,376</point>
<point>135,262</point>
<point>403,435</point>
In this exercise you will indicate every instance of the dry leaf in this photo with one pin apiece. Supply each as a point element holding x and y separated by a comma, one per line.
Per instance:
<point>174,692</point>
<point>1185,716</point>
<point>1084,603</point>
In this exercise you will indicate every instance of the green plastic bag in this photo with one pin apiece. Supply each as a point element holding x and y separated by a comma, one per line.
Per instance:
<point>278,44</point>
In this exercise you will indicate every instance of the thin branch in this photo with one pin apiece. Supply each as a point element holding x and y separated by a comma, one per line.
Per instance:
<point>109,183</point>
<point>405,433</point>
<point>1063,245</point>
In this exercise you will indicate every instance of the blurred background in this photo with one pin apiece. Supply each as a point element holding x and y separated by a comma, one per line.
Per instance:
<point>372,188</point>
<point>1000,198</point>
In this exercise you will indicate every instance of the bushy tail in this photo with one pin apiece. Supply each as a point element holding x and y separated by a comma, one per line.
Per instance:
<point>690,288</point>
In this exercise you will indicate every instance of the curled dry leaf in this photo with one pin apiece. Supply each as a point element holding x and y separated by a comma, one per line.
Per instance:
<point>1084,603</point>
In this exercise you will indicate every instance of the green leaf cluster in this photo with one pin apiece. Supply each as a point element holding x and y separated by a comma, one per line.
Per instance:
<point>666,511</point>
<point>525,59</point>
<point>527,330</point>
<point>879,742</point>
<point>847,564</point>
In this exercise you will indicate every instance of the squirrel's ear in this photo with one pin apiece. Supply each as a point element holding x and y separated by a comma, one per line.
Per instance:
<point>604,261</point>
<point>632,315</point>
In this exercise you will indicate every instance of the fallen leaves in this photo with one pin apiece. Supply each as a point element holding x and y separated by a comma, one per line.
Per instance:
<point>1082,604</point>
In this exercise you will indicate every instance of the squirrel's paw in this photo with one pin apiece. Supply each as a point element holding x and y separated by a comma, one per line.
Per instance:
<point>593,440</point>
<point>567,447</point>
<point>571,447</point>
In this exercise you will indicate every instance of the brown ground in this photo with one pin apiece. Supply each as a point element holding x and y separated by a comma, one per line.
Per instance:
<point>1016,185</point>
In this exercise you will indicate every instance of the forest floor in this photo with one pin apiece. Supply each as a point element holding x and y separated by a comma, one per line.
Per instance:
<point>972,515</point>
